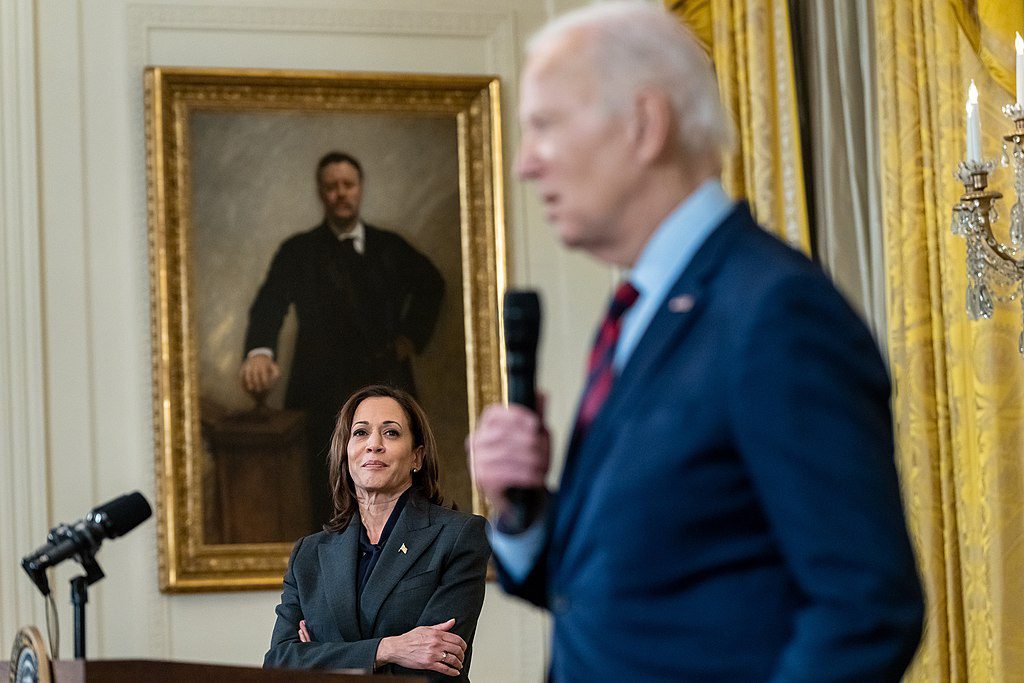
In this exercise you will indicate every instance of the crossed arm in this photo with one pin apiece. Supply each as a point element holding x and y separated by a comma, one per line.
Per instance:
<point>439,641</point>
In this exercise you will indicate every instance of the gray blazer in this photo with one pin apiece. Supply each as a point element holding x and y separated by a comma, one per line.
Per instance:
<point>439,575</point>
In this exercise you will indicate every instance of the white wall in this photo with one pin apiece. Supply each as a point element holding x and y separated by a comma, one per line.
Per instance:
<point>75,386</point>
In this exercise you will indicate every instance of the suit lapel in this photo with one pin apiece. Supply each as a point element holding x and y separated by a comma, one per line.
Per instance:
<point>338,557</point>
<point>413,531</point>
<point>681,307</point>
<point>675,316</point>
<point>373,243</point>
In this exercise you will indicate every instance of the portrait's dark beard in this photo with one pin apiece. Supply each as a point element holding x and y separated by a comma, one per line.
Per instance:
<point>342,225</point>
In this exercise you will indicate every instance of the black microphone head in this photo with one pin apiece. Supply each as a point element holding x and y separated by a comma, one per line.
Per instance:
<point>521,320</point>
<point>122,514</point>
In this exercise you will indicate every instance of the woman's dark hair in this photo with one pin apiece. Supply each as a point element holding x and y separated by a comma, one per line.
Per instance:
<point>424,480</point>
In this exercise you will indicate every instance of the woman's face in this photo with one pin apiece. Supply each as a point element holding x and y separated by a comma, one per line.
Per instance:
<point>381,456</point>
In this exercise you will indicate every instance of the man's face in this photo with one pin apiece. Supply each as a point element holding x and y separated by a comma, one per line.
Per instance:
<point>574,150</point>
<point>341,192</point>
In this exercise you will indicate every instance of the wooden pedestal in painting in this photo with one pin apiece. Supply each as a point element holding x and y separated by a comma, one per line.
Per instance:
<point>262,486</point>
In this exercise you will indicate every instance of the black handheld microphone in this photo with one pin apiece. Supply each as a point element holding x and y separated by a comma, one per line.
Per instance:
<point>83,538</point>
<point>522,330</point>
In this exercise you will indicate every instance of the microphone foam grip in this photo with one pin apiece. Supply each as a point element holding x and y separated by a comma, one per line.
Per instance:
<point>122,514</point>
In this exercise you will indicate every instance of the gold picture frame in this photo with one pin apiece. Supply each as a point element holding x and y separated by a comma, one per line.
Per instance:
<point>228,151</point>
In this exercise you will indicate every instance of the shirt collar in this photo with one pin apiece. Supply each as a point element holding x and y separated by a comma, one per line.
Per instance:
<point>666,255</point>
<point>674,243</point>
<point>357,234</point>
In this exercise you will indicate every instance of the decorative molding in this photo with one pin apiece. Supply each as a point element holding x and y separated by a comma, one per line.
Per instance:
<point>496,27</point>
<point>319,20</point>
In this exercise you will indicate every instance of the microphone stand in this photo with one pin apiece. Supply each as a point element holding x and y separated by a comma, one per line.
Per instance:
<point>80,596</point>
<point>80,541</point>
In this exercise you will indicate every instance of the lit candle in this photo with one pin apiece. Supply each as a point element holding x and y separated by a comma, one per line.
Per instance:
<point>973,125</point>
<point>1019,44</point>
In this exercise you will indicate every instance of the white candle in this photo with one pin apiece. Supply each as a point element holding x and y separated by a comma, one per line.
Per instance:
<point>1019,44</point>
<point>973,125</point>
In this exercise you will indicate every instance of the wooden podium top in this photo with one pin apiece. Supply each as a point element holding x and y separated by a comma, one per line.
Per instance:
<point>154,671</point>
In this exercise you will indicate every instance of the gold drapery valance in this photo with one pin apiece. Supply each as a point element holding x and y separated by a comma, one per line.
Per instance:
<point>749,43</point>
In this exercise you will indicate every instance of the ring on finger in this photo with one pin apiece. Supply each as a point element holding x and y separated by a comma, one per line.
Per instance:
<point>444,656</point>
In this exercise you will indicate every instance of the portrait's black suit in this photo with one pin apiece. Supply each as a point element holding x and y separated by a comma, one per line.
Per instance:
<point>351,309</point>
<point>441,574</point>
<point>733,513</point>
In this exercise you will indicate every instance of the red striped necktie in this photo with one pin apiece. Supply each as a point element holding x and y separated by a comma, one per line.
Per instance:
<point>600,370</point>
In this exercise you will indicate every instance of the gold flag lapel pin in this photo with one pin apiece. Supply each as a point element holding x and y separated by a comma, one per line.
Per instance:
<point>403,549</point>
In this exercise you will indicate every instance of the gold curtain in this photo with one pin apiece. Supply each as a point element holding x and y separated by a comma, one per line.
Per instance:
<point>749,43</point>
<point>958,401</point>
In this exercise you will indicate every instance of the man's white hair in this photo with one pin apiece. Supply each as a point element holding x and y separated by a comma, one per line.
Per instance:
<point>635,44</point>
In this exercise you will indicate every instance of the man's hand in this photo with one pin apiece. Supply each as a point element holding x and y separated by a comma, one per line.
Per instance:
<point>511,448</point>
<point>430,648</point>
<point>259,373</point>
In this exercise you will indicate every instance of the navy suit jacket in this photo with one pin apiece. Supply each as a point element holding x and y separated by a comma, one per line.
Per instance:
<point>440,574</point>
<point>733,513</point>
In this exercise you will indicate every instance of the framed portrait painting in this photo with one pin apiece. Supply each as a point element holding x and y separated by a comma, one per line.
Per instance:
<point>247,259</point>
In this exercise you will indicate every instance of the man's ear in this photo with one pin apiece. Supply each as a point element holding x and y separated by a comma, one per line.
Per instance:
<point>654,121</point>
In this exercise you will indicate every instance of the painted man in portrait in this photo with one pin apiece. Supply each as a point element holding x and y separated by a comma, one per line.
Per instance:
<point>366,302</point>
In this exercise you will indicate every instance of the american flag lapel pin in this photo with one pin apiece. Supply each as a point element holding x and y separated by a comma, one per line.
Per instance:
<point>681,304</point>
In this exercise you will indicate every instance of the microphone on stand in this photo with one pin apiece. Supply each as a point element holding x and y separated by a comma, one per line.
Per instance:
<point>522,330</point>
<point>83,538</point>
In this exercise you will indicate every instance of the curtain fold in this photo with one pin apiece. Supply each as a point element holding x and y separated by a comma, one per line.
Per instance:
<point>989,26</point>
<point>836,49</point>
<point>749,43</point>
<point>958,402</point>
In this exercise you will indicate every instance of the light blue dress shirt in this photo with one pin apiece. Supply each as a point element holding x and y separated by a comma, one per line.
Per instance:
<point>663,259</point>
